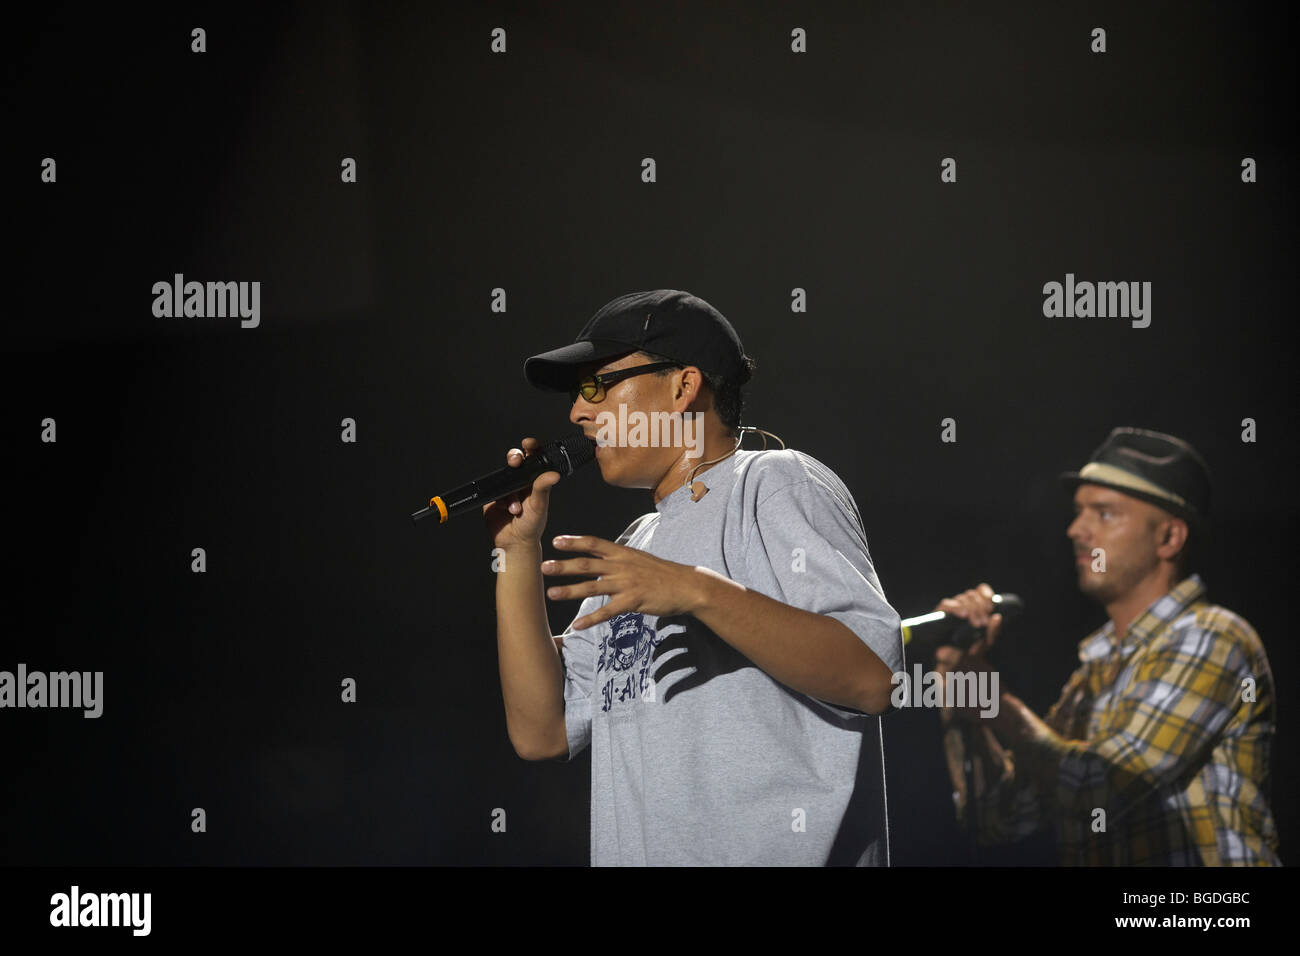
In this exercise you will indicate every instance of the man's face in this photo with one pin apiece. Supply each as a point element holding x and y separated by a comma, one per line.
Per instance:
<point>1128,531</point>
<point>628,467</point>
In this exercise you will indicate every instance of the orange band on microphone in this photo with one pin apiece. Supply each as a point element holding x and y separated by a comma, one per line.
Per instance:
<point>436,502</point>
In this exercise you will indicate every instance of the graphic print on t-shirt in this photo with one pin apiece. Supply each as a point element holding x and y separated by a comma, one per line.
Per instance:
<point>626,650</point>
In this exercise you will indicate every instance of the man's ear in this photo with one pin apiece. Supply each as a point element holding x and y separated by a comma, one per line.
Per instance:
<point>1172,538</point>
<point>690,385</point>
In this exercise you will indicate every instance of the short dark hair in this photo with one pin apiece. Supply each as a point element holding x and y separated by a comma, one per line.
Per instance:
<point>728,396</point>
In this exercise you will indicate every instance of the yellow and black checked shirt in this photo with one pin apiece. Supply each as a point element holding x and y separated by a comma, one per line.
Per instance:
<point>1168,732</point>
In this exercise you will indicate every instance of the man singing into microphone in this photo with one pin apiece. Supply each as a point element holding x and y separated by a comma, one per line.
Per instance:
<point>733,648</point>
<point>1157,752</point>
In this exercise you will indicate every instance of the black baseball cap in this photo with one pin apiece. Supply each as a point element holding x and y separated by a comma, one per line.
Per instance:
<point>668,322</point>
<point>1153,467</point>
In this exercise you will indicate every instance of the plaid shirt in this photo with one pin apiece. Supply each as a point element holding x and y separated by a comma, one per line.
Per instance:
<point>1168,732</point>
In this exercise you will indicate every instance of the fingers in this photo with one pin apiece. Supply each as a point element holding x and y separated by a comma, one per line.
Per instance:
<point>611,608</point>
<point>545,480</point>
<point>577,566</point>
<point>947,659</point>
<point>986,640</point>
<point>574,592</point>
<point>541,486</point>
<point>991,634</point>
<point>979,601</point>
<point>589,543</point>
<point>974,605</point>
<point>515,456</point>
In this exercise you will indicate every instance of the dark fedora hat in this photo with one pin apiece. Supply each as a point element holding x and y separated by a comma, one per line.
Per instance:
<point>1152,467</point>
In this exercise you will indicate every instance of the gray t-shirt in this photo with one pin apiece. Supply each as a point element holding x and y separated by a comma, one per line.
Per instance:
<point>699,757</point>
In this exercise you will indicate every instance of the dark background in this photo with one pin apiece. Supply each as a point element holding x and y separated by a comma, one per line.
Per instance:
<point>522,171</point>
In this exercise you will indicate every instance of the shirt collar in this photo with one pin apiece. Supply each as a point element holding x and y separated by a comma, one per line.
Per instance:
<point>717,478</point>
<point>1103,642</point>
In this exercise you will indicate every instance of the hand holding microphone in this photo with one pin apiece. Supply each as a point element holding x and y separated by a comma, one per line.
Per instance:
<point>519,519</point>
<point>958,621</point>
<point>514,499</point>
<point>978,609</point>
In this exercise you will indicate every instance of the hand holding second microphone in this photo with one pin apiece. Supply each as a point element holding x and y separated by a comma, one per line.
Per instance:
<point>976,607</point>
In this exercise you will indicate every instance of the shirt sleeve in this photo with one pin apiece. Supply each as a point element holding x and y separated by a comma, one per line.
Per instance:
<point>807,549</point>
<point>578,650</point>
<point>578,659</point>
<point>1159,725</point>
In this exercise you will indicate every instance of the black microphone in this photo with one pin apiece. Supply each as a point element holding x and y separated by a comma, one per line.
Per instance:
<point>565,455</point>
<point>941,629</point>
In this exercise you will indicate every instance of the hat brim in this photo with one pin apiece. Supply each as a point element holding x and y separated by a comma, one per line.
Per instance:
<point>556,370</point>
<point>1072,480</point>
